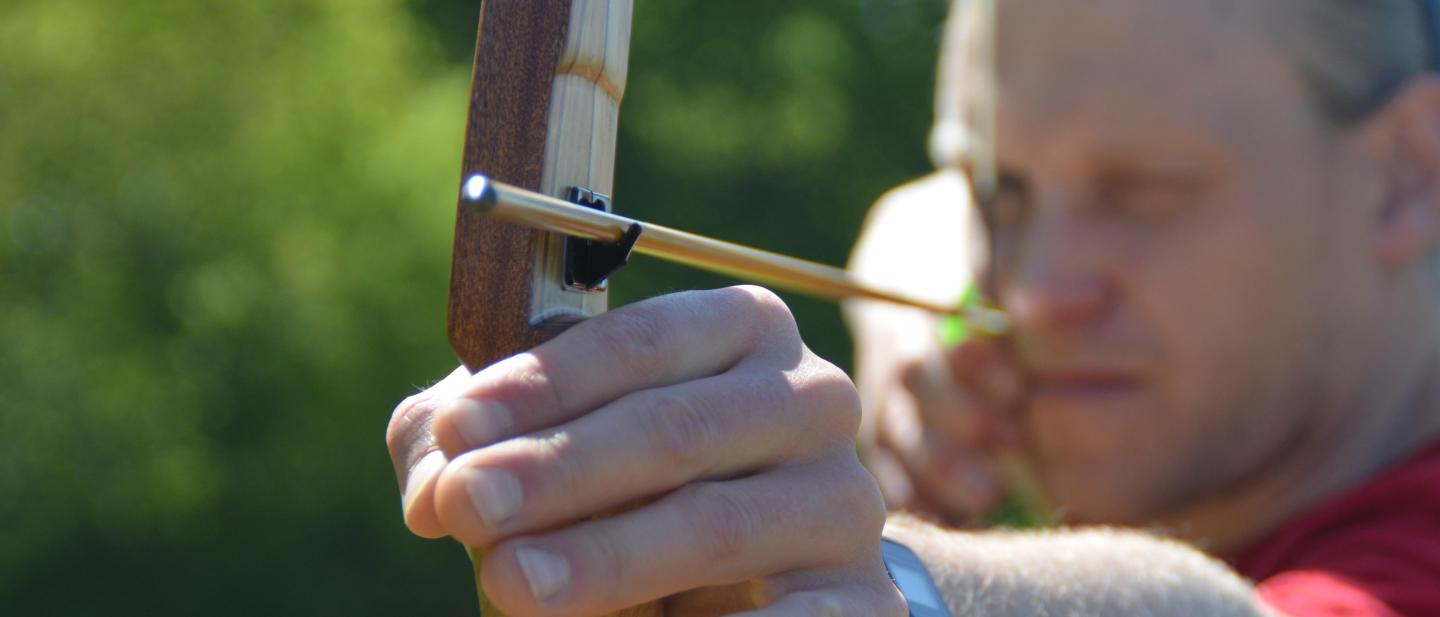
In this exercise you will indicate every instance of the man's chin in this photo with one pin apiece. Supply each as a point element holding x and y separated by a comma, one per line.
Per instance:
<point>1100,455</point>
<point>1112,494</point>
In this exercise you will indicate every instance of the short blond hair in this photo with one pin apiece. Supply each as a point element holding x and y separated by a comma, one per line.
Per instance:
<point>1355,54</point>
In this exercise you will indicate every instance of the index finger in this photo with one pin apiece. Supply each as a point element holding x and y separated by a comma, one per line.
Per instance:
<point>984,369</point>
<point>415,455</point>
<point>654,343</point>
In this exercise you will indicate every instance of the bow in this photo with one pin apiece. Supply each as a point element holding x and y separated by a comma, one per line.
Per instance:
<point>544,109</point>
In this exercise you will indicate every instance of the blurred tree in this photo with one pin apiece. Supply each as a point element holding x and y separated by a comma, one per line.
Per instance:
<point>224,244</point>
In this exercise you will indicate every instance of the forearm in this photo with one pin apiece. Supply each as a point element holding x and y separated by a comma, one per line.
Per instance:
<point>1083,572</point>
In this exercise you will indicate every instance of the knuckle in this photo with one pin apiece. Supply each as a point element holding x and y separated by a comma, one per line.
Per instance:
<point>832,397</point>
<point>842,593</point>
<point>678,432</point>
<point>823,605</point>
<point>890,602</point>
<point>770,390</point>
<point>409,423</point>
<point>633,341</point>
<point>612,558</point>
<point>842,398</point>
<point>848,507</point>
<point>557,467</point>
<point>756,294</point>
<point>723,524</point>
<point>861,496</point>
<point>526,373</point>
<point>772,315</point>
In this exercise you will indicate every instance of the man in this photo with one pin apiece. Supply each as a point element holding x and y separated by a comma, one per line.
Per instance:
<point>1215,231</point>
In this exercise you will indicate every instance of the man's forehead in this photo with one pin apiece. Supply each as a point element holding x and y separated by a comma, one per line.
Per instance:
<point>1165,21</point>
<point>1132,64</point>
<point>1086,46</point>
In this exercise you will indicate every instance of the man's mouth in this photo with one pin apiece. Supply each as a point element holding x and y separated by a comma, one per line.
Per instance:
<point>1082,385</point>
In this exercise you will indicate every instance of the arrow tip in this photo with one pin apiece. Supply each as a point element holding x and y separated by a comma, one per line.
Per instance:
<point>479,192</point>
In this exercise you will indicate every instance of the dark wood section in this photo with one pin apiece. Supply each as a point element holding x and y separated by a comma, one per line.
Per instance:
<point>515,59</point>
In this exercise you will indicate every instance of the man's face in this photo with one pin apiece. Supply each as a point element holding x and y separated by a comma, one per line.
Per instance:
<point>1168,240</point>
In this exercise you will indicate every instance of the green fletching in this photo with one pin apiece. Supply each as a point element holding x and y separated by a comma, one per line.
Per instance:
<point>954,329</point>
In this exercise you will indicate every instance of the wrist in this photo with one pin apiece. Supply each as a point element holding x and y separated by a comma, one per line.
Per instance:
<point>924,576</point>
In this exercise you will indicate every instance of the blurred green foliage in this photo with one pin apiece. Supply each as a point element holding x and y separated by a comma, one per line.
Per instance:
<point>224,243</point>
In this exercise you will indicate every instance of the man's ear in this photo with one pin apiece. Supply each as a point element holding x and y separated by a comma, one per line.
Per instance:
<point>1408,225</point>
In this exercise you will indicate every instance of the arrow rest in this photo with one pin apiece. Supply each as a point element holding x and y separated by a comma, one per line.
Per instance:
<point>589,264</point>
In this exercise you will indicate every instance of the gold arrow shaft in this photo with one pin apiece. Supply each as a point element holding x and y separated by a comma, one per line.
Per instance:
<point>517,205</point>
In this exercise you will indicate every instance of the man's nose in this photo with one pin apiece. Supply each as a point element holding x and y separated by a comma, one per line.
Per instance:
<point>1058,288</point>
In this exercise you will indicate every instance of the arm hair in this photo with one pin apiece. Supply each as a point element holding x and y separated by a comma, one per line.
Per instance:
<point>1095,571</point>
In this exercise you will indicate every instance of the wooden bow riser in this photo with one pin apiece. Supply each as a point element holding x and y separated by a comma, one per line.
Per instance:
<point>544,110</point>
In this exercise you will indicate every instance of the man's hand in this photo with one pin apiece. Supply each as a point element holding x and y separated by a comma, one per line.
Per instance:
<point>941,419</point>
<point>704,407</point>
<point>932,420</point>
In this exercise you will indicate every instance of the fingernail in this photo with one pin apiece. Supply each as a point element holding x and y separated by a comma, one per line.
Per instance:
<point>428,467</point>
<point>495,494</point>
<point>546,572</point>
<point>481,422</point>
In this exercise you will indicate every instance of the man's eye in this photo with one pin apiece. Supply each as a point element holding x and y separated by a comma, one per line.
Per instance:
<point>1146,197</point>
<point>1007,210</point>
<point>1008,207</point>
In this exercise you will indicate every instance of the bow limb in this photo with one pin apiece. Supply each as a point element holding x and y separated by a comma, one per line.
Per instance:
<point>544,110</point>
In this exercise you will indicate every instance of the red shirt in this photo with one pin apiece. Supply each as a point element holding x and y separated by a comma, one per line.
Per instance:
<point>1371,551</point>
